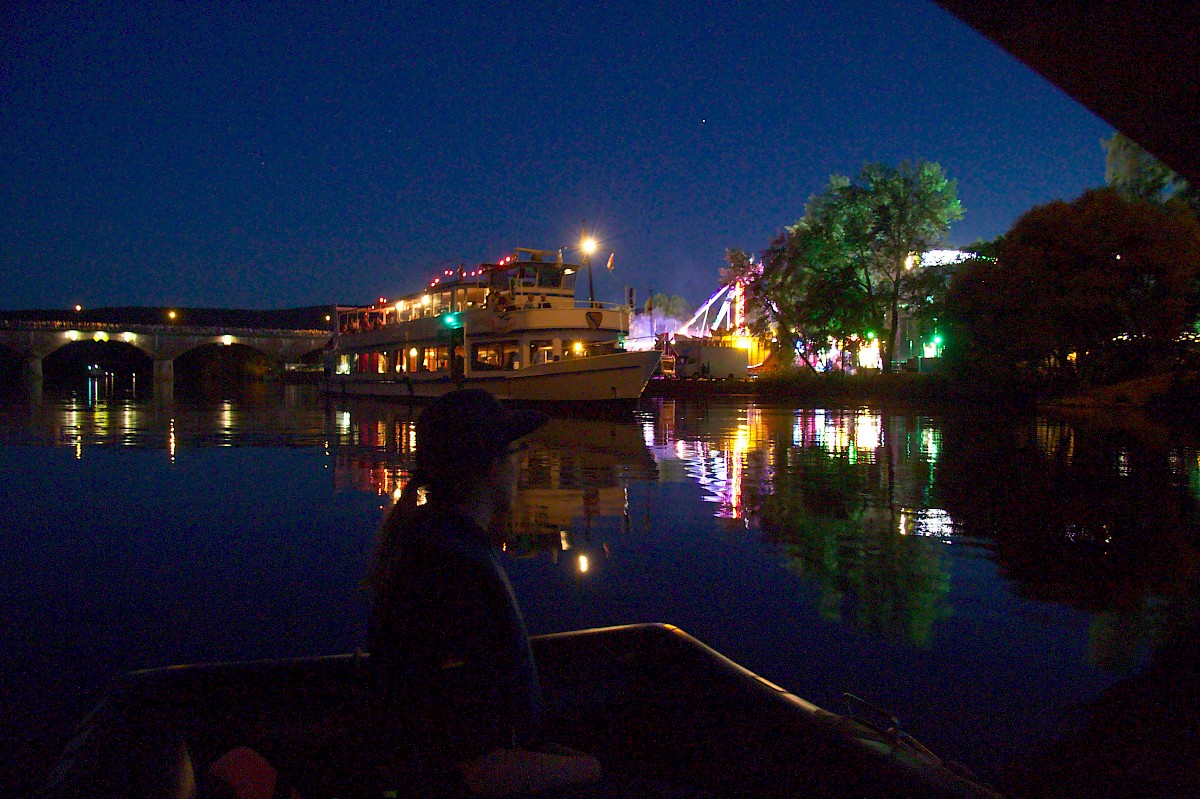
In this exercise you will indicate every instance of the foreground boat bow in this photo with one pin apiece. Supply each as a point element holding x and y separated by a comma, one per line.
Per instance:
<point>648,700</point>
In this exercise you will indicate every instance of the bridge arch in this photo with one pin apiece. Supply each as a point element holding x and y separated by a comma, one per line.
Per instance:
<point>84,357</point>
<point>224,359</point>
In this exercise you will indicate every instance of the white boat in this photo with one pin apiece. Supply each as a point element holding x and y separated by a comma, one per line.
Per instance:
<point>512,327</point>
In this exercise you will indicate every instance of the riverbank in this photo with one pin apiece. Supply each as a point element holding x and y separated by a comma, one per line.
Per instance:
<point>901,388</point>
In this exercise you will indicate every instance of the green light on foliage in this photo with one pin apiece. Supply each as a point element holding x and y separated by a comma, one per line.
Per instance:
<point>937,340</point>
<point>870,334</point>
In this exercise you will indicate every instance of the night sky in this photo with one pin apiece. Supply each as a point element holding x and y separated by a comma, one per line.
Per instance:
<point>198,154</point>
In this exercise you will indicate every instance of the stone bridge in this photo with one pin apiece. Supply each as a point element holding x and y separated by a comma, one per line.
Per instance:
<point>33,340</point>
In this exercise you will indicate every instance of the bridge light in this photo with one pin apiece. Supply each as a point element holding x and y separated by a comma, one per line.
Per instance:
<point>129,337</point>
<point>100,335</point>
<point>226,340</point>
<point>72,335</point>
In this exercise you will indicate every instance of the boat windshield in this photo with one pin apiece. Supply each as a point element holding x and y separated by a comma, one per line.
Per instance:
<point>533,276</point>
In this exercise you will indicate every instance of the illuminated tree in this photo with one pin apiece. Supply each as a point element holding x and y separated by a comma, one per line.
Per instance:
<point>848,265</point>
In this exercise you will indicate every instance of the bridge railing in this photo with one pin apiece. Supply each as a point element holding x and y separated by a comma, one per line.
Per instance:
<point>194,330</point>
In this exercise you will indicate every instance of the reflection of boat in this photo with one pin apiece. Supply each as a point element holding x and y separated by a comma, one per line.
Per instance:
<point>648,700</point>
<point>571,468</point>
<point>513,328</point>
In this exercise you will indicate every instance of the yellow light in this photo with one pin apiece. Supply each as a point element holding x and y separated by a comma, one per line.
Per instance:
<point>426,300</point>
<point>326,317</point>
<point>910,261</point>
<point>412,353</point>
<point>73,335</point>
<point>578,347</point>
<point>226,340</point>
<point>79,308</point>
<point>588,245</point>
<point>100,335</point>
<point>129,337</point>
<point>583,564</point>
<point>399,309</point>
<point>170,314</point>
<point>743,342</point>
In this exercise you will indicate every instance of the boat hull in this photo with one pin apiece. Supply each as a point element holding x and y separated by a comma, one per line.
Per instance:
<point>619,377</point>
<point>649,700</point>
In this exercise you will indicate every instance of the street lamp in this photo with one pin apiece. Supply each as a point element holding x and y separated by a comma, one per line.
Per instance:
<point>587,245</point>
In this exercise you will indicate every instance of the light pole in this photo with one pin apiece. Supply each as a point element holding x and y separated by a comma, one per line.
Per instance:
<point>587,245</point>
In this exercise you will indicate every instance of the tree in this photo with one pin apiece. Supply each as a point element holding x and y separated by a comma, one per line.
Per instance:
<point>673,306</point>
<point>1093,290</point>
<point>849,266</point>
<point>872,232</point>
<point>1137,175</point>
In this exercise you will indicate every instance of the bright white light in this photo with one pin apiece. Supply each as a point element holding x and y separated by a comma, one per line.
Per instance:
<point>129,337</point>
<point>588,245</point>
<point>226,340</point>
<point>72,335</point>
<point>100,335</point>
<point>583,564</point>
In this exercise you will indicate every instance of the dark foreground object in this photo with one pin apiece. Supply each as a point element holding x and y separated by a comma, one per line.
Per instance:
<point>649,700</point>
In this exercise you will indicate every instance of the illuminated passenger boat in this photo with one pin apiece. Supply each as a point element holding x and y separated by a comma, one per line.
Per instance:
<point>648,700</point>
<point>513,328</point>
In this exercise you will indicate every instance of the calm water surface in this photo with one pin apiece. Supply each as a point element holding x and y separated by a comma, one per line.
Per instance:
<point>986,578</point>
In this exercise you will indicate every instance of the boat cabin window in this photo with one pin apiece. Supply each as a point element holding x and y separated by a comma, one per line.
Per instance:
<point>574,349</point>
<point>528,276</point>
<point>496,355</point>
<point>437,359</point>
<point>541,351</point>
<point>367,363</point>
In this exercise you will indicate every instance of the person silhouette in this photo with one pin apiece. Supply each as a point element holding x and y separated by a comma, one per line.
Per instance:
<point>459,683</point>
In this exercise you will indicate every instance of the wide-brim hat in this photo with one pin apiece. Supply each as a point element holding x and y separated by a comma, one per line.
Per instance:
<point>468,429</point>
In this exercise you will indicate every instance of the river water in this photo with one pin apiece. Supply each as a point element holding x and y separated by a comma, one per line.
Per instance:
<point>992,580</point>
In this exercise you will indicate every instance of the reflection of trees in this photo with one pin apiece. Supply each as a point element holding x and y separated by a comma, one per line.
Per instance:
<point>1088,518</point>
<point>834,521</point>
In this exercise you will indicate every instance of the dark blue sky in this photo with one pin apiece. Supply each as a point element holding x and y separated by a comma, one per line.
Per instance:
<point>192,155</point>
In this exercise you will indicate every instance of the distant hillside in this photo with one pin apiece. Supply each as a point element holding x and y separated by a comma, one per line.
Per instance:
<point>311,318</point>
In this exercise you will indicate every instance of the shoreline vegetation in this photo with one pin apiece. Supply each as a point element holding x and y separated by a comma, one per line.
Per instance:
<point>1174,393</point>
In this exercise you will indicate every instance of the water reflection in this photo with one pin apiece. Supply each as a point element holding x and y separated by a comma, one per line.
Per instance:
<point>1097,519</point>
<point>843,494</point>
<point>573,473</point>
<point>862,503</point>
<point>937,562</point>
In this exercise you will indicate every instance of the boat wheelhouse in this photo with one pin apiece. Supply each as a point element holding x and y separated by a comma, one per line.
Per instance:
<point>512,327</point>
